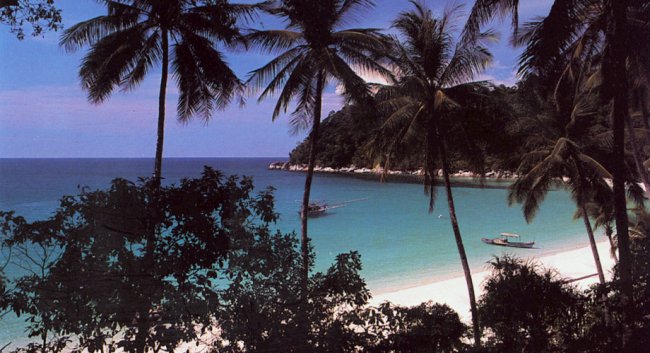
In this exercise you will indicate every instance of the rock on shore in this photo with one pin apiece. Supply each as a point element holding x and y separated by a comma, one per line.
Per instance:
<point>500,174</point>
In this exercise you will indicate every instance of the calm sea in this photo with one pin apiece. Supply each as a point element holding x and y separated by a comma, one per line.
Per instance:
<point>401,244</point>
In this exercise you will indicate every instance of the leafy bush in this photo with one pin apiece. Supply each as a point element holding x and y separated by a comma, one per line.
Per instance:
<point>529,309</point>
<point>427,327</point>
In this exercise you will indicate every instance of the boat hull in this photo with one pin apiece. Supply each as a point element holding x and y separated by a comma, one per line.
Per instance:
<point>510,244</point>
<point>525,245</point>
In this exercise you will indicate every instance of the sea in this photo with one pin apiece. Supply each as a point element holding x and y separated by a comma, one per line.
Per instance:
<point>401,243</point>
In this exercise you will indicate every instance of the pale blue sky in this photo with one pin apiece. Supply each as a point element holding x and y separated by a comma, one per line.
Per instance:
<point>44,112</point>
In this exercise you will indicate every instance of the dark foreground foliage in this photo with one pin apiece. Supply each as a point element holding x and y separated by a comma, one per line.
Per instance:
<point>529,309</point>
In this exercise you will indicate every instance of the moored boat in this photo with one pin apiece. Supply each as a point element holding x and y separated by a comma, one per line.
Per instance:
<point>316,209</point>
<point>505,240</point>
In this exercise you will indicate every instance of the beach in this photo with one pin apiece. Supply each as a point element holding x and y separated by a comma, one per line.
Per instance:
<point>570,264</point>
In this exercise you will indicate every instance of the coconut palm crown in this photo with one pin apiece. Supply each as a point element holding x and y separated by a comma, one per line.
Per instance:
<point>314,50</point>
<point>137,35</point>
<point>434,81</point>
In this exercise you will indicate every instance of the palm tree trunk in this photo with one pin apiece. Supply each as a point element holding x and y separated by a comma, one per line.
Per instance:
<point>599,266</point>
<point>459,243</point>
<point>638,160</point>
<point>592,243</point>
<point>304,212</point>
<point>645,114</point>
<point>608,233</point>
<point>614,69</point>
<point>157,171</point>
<point>148,256</point>
<point>616,65</point>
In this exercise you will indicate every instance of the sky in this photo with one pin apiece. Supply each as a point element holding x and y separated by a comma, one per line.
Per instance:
<point>44,113</point>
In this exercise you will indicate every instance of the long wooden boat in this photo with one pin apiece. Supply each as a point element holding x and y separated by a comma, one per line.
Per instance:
<point>504,240</point>
<point>317,209</point>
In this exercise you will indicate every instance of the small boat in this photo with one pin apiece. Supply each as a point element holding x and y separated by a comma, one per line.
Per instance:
<point>505,240</point>
<point>317,209</point>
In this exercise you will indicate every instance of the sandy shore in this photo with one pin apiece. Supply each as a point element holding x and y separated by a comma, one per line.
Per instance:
<point>570,264</point>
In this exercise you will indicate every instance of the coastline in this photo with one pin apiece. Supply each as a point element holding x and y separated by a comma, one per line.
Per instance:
<point>492,179</point>
<point>570,264</point>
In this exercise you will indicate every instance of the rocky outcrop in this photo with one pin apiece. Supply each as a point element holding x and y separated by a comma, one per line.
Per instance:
<point>500,174</point>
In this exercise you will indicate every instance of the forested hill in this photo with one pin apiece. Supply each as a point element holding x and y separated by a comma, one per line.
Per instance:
<point>494,126</point>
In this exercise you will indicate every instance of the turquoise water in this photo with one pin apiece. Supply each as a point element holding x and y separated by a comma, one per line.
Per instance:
<point>401,244</point>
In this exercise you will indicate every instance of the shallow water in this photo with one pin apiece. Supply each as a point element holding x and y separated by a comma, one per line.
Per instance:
<point>400,242</point>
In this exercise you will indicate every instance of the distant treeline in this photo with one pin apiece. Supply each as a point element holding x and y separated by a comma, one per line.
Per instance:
<point>502,126</point>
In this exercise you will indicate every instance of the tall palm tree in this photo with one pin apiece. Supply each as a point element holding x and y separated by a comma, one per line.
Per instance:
<point>314,50</point>
<point>136,35</point>
<point>434,80</point>
<point>616,53</point>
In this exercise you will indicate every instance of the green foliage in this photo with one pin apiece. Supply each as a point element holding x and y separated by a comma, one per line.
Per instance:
<point>42,15</point>
<point>261,311</point>
<point>134,267</point>
<point>528,309</point>
<point>427,327</point>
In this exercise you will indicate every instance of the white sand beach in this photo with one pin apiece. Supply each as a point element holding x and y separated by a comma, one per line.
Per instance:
<point>570,264</point>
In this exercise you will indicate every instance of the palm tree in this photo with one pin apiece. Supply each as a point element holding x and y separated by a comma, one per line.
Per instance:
<point>433,83</point>
<point>314,50</point>
<point>582,174</point>
<point>603,215</point>
<point>563,26</point>
<point>136,35</point>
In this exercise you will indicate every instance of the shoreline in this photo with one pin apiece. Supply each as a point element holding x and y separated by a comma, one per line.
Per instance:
<point>429,279</point>
<point>570,263</point>
<point>492,179</point>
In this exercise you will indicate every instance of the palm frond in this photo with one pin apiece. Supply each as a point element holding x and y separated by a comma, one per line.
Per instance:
<point>466,64</point>
<point>148,56</point>
<point>89,32</point>
<point>105,67</point>
<point>549,38</point>
<point>297,82</point>
<point>272,75</point>
<point>441,100</point>
<point>484,10</point>
<point>204,78</point>
<point>275,40</point>
<point>355,87</point>
<point>349,9</point>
